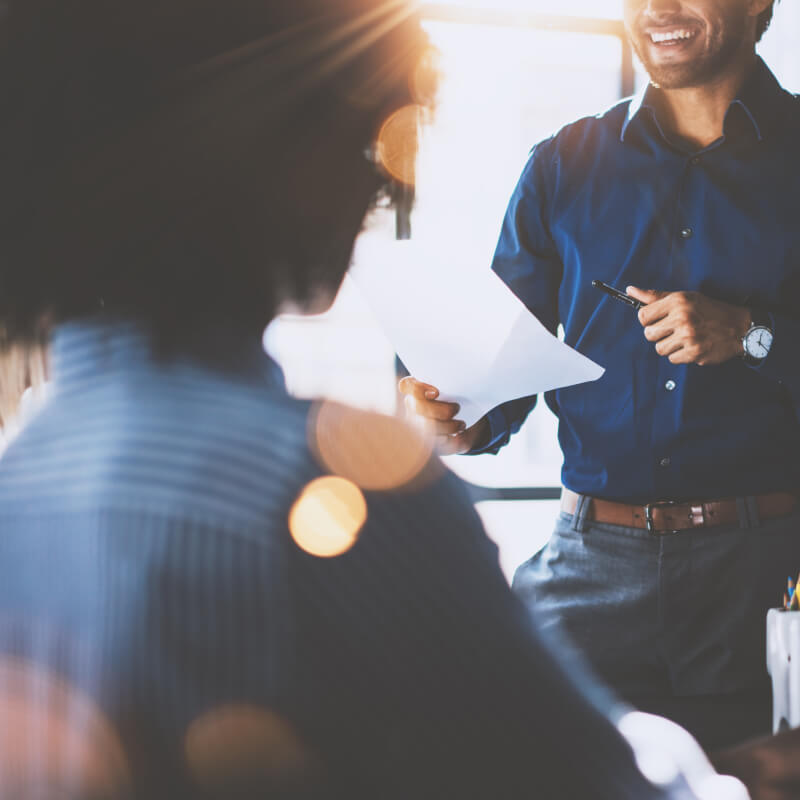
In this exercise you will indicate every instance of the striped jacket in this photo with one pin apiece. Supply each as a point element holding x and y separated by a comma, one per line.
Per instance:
<point>149,567</point>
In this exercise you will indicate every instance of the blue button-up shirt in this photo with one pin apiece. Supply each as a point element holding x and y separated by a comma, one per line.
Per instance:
<point>615,198</point>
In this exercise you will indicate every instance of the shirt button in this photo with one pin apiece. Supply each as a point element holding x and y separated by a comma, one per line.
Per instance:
<point>665,462</point>
<point>686,233</point>
<point>695,161</point>
<point>670,386</point>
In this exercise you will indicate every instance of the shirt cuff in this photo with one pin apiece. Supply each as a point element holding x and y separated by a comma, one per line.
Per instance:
<point>498,434</point>
<point>781,361</point>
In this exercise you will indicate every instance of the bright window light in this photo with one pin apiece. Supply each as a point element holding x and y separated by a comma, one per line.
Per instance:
<point>610,9</point>
<point>503,89</point>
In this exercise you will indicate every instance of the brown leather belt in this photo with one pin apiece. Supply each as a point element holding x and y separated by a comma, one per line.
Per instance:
<point>666,516</point>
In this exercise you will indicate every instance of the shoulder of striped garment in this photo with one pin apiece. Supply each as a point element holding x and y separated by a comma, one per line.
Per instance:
<point>204,446</point>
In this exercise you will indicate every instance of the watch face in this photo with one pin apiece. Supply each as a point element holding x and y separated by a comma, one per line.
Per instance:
<point>758,342</point>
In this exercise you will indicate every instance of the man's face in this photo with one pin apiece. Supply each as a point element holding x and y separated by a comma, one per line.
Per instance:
<point>687,43</point>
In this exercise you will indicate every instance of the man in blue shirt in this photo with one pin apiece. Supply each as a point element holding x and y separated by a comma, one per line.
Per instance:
<point>211,589</point>
<point>678,520</point>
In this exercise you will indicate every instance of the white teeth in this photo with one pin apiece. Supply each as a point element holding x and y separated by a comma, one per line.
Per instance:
<point>672,36</point>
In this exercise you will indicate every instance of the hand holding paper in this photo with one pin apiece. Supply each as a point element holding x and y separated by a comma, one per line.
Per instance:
<point>494,351</point>
<point>441,419</point>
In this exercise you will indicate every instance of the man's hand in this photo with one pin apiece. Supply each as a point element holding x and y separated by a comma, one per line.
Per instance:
<point>770,768</point>
<point>439,418</point>
<point>690,328</point>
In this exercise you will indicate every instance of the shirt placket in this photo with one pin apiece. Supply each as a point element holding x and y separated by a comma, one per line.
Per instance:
<point>671,378</point>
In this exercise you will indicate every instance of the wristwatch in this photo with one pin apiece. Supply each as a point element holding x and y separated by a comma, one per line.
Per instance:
<point>758,339</point>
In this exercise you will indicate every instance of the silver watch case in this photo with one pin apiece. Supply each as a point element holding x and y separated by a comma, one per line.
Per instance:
<point>757,342</point>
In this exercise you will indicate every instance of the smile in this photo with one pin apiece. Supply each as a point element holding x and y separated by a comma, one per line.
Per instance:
<point>668,37</point>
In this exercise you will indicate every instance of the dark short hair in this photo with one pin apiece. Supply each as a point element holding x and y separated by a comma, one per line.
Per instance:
<point>764,19</point>
<point>188,161</point>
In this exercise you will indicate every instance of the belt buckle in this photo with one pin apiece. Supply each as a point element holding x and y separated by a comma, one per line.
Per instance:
<point>648,514</point>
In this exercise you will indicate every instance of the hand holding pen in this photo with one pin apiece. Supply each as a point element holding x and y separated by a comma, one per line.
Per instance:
<point>618,295</point>
<point>687,327</point>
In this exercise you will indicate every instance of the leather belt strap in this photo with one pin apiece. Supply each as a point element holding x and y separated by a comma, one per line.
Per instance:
<point>666,516</point>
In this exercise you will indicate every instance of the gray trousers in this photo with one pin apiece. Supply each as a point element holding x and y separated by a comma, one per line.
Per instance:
<point>675,623</point>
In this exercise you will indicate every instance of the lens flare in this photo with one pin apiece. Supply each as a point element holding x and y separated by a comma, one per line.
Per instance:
<point>54,738</point>
<point>426,77</point>
<point>245,744</point>
<point>375,452</point>
<point>328,517</point>
<point>397,144</point>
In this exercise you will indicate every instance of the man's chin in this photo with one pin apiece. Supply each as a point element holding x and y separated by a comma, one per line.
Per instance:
<point>676,77</point>
<point>682,75</point>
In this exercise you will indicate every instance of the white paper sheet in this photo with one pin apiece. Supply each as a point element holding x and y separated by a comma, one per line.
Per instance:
<point>462,330</point>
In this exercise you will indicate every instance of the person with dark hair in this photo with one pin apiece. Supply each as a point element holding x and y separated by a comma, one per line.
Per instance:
<point>680,505</point>
<point>764,19</point>
<point>209,588</point>
<point>141,142</point>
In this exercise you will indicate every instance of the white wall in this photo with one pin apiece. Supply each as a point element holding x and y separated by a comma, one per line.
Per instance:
<point>781,44</point>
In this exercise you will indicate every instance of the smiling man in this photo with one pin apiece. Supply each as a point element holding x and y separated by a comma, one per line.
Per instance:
<point>679,515</point>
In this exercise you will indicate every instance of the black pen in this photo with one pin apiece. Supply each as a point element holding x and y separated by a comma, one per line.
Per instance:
<point>618,295</point>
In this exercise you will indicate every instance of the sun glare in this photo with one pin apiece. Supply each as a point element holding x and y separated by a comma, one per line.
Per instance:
<point>611,9</point>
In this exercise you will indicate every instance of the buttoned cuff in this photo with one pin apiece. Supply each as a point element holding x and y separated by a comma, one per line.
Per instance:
<point>781,360</point>
<point>499,434</point>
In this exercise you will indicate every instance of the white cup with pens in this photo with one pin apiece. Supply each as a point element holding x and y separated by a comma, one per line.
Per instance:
<point>783,659</point>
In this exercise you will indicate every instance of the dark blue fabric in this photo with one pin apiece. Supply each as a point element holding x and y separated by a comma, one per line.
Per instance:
<point>647,613</point>
<point>611,198</point>
<point>146,558</point>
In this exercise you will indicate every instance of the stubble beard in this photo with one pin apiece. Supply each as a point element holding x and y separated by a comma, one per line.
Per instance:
<point>719,53</point>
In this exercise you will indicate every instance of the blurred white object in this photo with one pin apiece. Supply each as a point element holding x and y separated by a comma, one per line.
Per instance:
<point>783,664</point>
<point>668,755</point>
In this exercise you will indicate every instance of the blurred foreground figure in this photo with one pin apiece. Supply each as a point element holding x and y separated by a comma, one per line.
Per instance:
<point>208,588</point>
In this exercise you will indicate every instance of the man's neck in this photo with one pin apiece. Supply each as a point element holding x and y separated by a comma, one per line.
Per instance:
<point>696,115</point>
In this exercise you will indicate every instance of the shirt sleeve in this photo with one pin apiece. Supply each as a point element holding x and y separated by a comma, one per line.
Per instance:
<point>782,364</point>
<point>504,421</point>
<point>527,261</point>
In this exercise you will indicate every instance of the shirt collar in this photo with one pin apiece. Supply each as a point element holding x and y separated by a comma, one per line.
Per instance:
<point>83,350</point>
<point>635,107</point>
<point>759,99</point>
